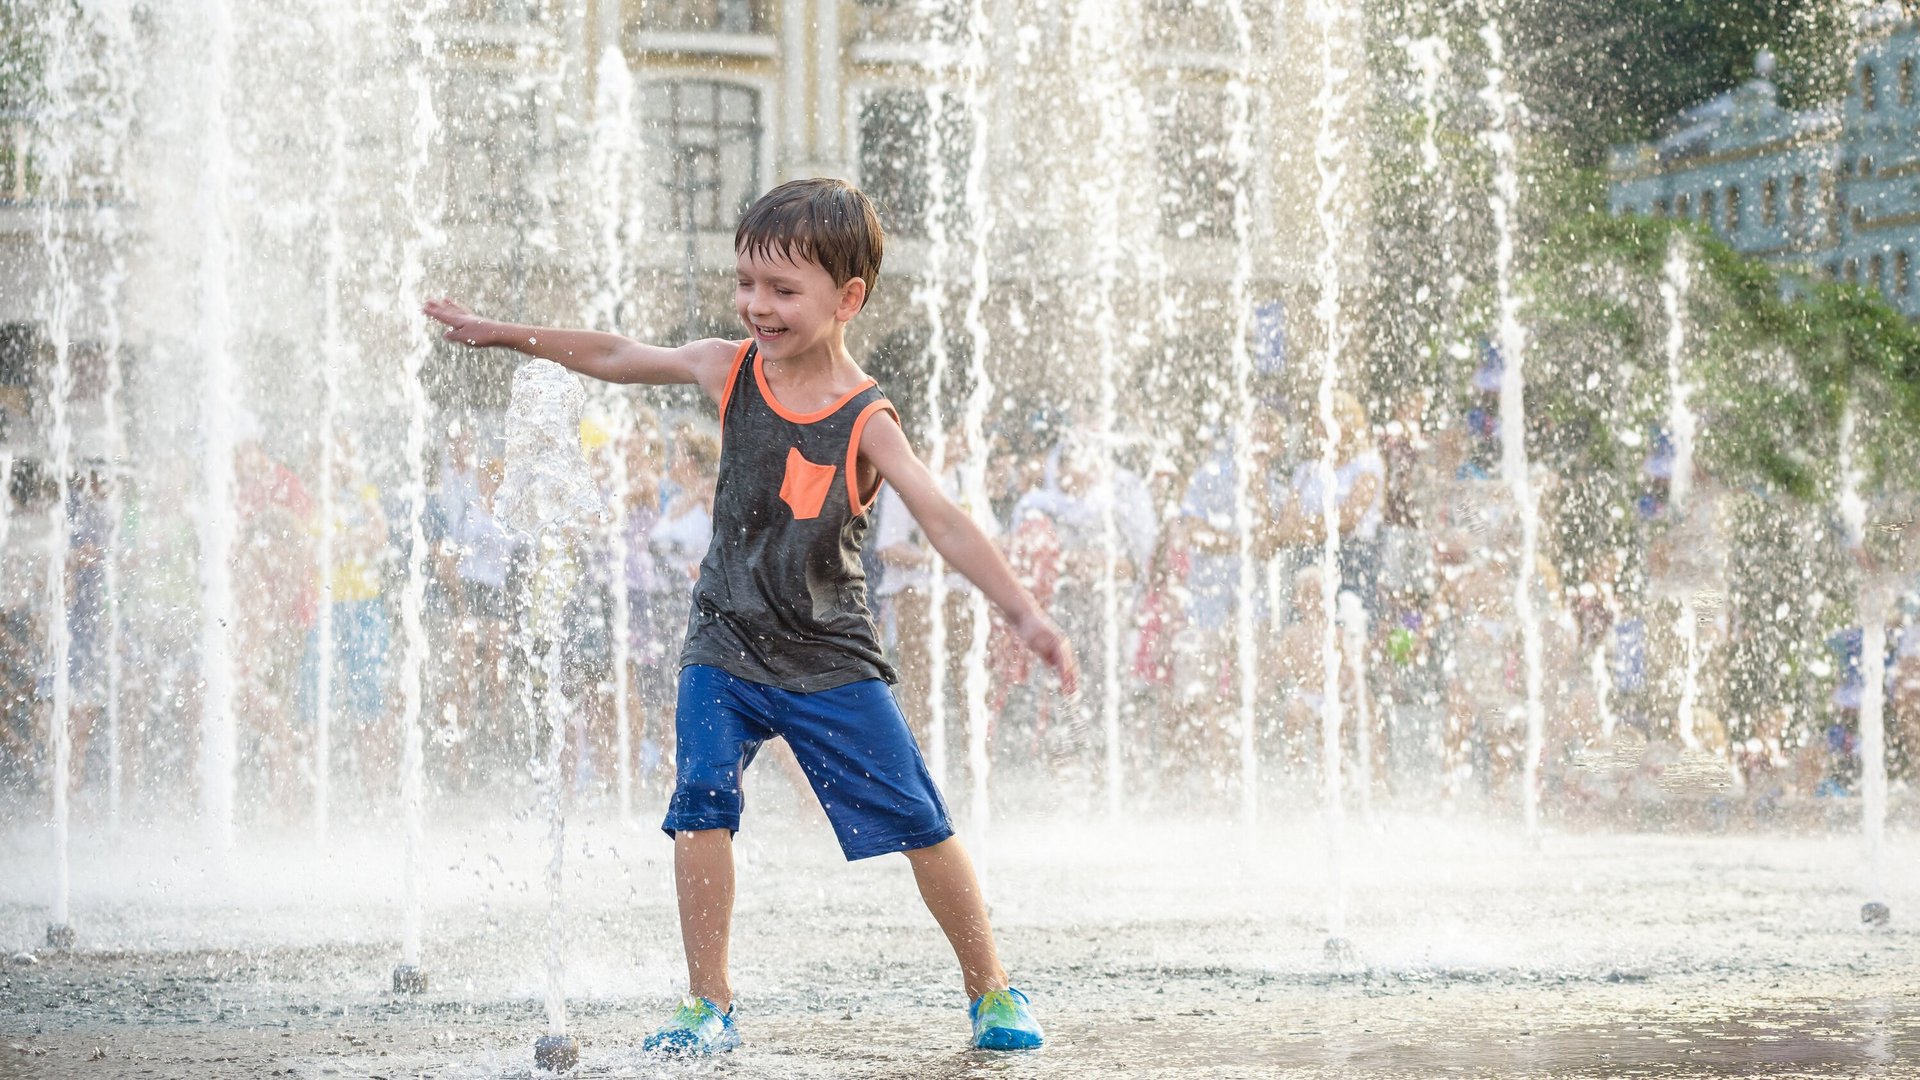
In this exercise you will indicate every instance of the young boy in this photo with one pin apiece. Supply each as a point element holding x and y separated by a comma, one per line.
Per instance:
<point>780,642</point>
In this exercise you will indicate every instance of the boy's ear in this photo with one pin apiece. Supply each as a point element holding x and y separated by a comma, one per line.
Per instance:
<point>853,297</point>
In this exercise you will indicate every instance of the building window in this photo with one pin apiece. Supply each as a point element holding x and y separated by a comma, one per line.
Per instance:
<point>1683,207</point>
<point>1709,209</point>
<point>1797,198</point>
<point>895,169</point>
<point>707,16</point>
<point>1869,92</point>
<point>1903,273</point>
<point>1877,272</point>
<point>706,138</point>
<point>1203,25</point>
<point>1853,271</point>
<point>1858,215</point>
<point>489,134</point>
<point>911,20</point>
<point>1733,210</point>
<point>1196,177</point>
<point>1866,165</point>
<point>495,11</point>
<point>1906,83</point>
<point>1661,209</point>
<point>1770,202</point>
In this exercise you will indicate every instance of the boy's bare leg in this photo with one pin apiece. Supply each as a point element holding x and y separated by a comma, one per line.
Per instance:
<point>952,892</point>
<point>703,879</point>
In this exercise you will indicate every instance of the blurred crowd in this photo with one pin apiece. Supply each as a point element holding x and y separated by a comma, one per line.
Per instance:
<point>1169,570</point>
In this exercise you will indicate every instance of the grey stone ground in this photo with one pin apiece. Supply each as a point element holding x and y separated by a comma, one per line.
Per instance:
<point>1178,947</point>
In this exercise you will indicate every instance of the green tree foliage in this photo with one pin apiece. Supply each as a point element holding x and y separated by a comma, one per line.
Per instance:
<point>1597,72</point>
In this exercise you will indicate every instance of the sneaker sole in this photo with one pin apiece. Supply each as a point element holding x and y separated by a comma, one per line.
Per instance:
<point>1008,1039</point>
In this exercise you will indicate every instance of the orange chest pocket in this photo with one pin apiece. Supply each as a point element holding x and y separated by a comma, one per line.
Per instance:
<point>806,484</point>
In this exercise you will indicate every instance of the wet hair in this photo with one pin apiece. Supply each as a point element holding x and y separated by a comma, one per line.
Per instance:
<point>825,221</point>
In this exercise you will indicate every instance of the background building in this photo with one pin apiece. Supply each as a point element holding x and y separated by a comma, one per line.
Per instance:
<point>1832,192</point>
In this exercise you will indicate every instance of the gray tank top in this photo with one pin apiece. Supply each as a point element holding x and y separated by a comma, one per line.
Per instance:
<point>782,598</point>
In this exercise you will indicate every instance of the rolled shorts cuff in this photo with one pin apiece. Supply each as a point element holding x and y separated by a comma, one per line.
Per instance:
<point>871,846</point>
<point>677,823</point>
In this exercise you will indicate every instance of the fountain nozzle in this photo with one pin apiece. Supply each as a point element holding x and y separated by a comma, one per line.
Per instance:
<point>59,936</point>
<point>409,979</point>
<point>555,1053</point>
<point>1875,913</point>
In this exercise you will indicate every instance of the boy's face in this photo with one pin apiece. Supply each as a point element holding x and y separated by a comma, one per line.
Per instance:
<point>791,307</point>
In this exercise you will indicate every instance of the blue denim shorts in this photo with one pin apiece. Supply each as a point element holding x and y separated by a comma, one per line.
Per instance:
<point>851,741</point>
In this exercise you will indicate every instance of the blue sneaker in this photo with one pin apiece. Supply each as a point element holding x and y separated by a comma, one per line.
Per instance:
<point>1003,1020</point>
<point>697,1027</point>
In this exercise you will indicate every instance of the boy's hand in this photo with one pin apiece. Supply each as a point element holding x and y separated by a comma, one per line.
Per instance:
<point>1047,642</point>
<point>463,326</point>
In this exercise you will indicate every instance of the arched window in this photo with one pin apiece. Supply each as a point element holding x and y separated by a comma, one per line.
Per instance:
<point>705,137</point>
<point>1869,92</point>
<point>1877,273</point>
<point>1906,83</point>
<point>1683,207</point>
<point>1770,202</point>
<point>1733,209</point>
<point>1709,208</point>
<point>1903,273</point>
<point>1866,165</point>
<point>1853,271</point>
<point>1661,208</point>
<point>1797,198</point>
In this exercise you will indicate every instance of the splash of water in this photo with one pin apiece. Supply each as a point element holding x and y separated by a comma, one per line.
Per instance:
<point>549,495</point>
<point>1871,606</point>
<point>1353,626</point>
<point>1240,358</point>
<point>423,129</point>
<point>217,521</point>
<point>1329,149</point>
<point>1514,467</point>
<point>117,43</point>
<point>977,96</point>
<point>1097,34</point>
<point>609,157</point>
<point>1675,287</point>
<point>60,301</point>
<point>931,297</point>
<point>335,353</point>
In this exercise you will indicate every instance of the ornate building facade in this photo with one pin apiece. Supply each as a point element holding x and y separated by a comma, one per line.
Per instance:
<point>1831,192</point>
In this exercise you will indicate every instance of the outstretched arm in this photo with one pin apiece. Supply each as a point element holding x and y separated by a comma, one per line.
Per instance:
<point>967,549</point>
<point>607,357</point>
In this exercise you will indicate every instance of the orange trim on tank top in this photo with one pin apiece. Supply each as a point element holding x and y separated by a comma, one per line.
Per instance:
<point>760,376</point>
<point>853,455</point>
<point>733,376</point>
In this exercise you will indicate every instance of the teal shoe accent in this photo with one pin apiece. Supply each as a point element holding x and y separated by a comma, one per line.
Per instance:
<point>1003,1020</point>
<point>698,1027</point>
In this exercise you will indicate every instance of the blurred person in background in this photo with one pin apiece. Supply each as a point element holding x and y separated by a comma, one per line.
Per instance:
<point>1082,486</point>
<point>276,598</point>
<point>87,629</point>
<point>656,630</point>
<point>587,649</point>
<point>361,630</point>
<point>486,550</point>
<point>905,589</point>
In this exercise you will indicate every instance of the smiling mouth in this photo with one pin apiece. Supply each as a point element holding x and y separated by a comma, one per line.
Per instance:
<point>769,331</point>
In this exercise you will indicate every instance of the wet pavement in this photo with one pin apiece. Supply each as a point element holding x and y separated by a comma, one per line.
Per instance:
<point>1180,947</point>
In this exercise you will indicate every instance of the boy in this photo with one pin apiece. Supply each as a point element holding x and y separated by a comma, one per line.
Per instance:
<point>780,642</point>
